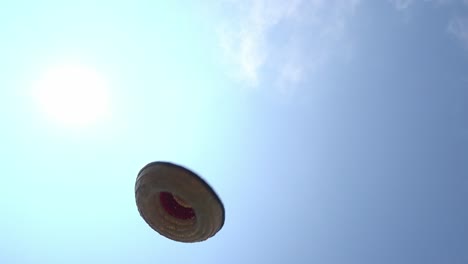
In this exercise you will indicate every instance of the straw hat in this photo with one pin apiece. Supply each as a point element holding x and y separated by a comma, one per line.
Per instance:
<point>177,203</point>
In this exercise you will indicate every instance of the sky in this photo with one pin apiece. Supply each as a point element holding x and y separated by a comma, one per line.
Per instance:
<point>333,131</point>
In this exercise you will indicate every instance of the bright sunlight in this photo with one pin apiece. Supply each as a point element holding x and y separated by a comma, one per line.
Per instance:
<point>72,94</point>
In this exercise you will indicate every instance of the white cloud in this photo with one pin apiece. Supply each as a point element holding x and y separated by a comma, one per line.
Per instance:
<point>401,4</point>
<point>458,26</point>
<point>284,39</point>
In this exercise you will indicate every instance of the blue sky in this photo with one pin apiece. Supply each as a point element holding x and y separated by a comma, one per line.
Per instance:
<point>333,131</point>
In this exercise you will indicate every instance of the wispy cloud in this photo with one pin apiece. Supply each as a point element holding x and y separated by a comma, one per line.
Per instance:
<point>401,4</point>
<point>284,39</point>
<point>458,26</point>
<point>405,4</point>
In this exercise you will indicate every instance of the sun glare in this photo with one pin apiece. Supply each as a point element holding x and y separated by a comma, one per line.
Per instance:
<point>72,94</point>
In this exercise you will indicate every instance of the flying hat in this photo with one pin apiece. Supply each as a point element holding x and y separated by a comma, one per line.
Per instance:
<point>177,203</point>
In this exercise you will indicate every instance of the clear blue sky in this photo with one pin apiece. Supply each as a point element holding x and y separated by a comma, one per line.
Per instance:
<point>333,131</point>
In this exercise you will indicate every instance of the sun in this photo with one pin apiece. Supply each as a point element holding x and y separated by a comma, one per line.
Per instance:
<point>72,94</point>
